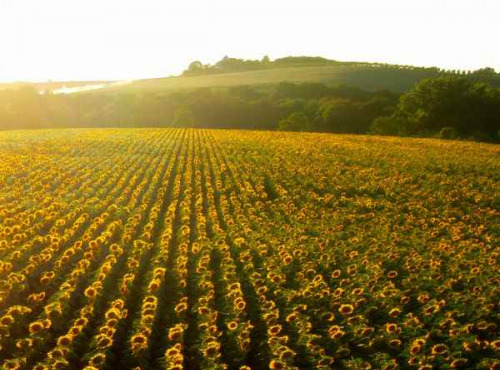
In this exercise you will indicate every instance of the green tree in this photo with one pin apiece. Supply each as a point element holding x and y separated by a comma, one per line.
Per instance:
<point>297,121</point>
<point>391,125</point>
<point>449,101</point>
<point>183,116</point>
<point>195,66</point>
<point>343,115</point>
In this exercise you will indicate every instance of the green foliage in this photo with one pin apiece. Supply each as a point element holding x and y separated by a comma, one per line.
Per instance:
<point>456,102</point>
<point>195,67</point>
<point>342,115</point>
<point>296,121</point>
<point>390,125</point>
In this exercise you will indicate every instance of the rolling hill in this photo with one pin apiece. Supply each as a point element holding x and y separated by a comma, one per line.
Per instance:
<point>365,77</point>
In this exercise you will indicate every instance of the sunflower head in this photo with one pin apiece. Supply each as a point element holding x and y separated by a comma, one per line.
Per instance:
<point>346,309</point>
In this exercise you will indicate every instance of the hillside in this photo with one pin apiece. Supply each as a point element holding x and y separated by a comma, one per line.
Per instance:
<point>299,69</point>
<point>365,77</point>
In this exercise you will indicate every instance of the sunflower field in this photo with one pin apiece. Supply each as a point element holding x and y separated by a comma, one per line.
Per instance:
<point>219,249</point>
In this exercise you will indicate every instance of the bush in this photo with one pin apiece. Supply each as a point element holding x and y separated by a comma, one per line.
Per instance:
<point>448,133</point>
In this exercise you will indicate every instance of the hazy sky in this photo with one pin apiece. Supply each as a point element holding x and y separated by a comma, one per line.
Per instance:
<point>108,39</point>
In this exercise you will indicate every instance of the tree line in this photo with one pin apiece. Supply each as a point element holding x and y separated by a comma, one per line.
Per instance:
<point>231,65</point>
<point>452,106</point>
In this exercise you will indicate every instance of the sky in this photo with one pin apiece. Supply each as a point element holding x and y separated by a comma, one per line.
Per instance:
<point>121,40</point>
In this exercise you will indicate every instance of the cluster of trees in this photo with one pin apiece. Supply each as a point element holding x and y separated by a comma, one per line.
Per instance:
<point>453,106</point>
<point>228,65</point>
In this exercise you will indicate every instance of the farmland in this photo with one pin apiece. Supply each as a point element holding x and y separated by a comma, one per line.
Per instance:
<point>189,248</point>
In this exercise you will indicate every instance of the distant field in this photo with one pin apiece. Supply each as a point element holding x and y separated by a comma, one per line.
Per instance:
<point>364,77</point>
<point>213,249</point>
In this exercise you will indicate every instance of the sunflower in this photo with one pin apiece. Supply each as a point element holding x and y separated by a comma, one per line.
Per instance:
<point>212,351</point>
<point>274,330</point>
<point>233,325</point>
<point>358,291</point>
<point>335,332</point>
<point>138,342</point>
<point>75,330</point>
<point>175,334</point>
<point>58,352</point>
<point>154,285</point>
<point>12,365</point>
<point>240,304</point>
<point>23,343</point>
<point>7,320</point>
<point>391,328</point>
<point>337,335</point>
<point>133,264</point>
<point>419,342</point>
<point>104,341</point>
<point>426,367</point>
<point>395,343</point>
<point>338,292</point>
<point>439,349</point>
<point>82,321</point>
<point>395,312</point>
<point>175,367</point>
<point>336,274</point>
<point>495,345</point>
<point>36,327</point>
<point>459,362</point>
<point>172,352</point>
<point>413,361</point>
<point>90,292</point>
<point>346,309</point>
<point>286,354</point>
<point>392,274</point>
<point>40,367</point>
<point>65,340</point>
<point>97,360</point>
<point>139,339</point>
<point>276,365</point>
